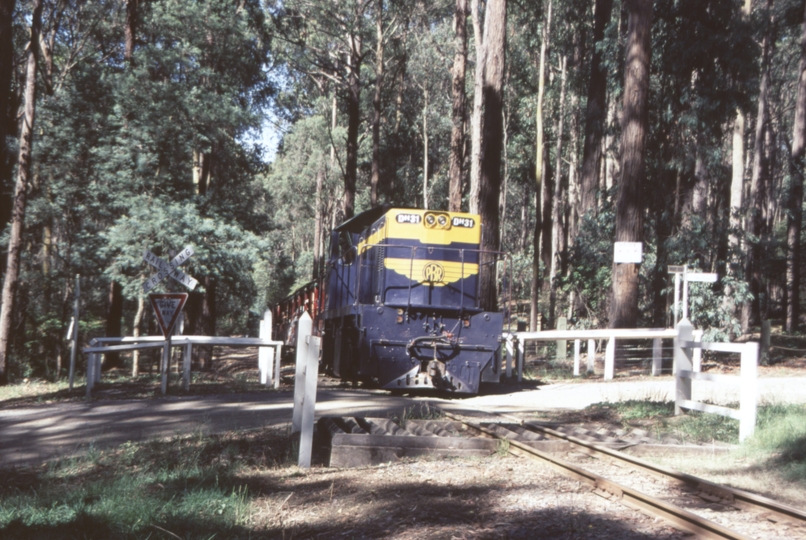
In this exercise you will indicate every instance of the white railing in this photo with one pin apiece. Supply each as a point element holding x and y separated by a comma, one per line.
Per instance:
<point>515,345</point>
<point>686,371</point>
<point>104,345</point>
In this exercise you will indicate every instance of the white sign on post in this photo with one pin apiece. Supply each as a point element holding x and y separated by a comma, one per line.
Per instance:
<point>169,269</point>
<point>167,307</point>
<point>628,252</point>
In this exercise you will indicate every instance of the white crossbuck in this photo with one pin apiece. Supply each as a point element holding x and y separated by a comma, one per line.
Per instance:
<point>169,269</point>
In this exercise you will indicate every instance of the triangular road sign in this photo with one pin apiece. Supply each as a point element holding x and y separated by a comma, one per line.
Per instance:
<point>167,307</point>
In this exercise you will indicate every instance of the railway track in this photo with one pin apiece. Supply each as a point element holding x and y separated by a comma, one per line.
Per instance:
<point>691,504</point>
<point>772,519</point>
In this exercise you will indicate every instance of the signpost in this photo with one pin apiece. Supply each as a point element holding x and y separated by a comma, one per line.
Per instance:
<point>168,306</point>
<point>701,277</point>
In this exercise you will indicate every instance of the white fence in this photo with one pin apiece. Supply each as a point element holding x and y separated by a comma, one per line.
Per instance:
<point>515,345</point>
<point>100,346</point>
<point>685,372</point>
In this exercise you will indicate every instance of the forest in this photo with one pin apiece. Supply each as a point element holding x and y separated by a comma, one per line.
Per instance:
<point>248,129</point>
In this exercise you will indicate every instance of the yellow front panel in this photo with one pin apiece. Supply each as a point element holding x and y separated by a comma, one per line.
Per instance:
<point>437,273</point>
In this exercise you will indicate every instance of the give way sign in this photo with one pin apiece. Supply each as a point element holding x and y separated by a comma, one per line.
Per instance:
<point>167,307</point>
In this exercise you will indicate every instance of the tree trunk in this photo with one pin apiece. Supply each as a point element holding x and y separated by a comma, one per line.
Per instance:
<point>491,147</point>
<point>758,181</point>
<point>113,320</point>
<point>558,205</point>
<point>595,112</point>
<point>208,321</point>
<point>629,207</point>
<point>477,126</point>
<point>425,149</point>
<point>130,31</point>
<point>20,193</point>
<point>8,109</point>
<point>795,199</point>
<point>353,117</point>
<point>138,320</point>
<point>541,84</point>
<point>458,108</point>
<point>376,107</point>
<point>317,227</point>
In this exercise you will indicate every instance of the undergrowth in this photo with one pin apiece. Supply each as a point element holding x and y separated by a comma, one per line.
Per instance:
<point>188,487</point>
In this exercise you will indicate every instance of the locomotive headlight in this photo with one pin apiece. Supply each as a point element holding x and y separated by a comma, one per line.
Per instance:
<point>429,220</point>
<point>442,220</point>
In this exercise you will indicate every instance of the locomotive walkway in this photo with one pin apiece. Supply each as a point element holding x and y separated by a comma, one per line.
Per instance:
<point>31,435</point>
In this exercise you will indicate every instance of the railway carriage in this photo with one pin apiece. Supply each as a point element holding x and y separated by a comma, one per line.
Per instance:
<point>401,304</point>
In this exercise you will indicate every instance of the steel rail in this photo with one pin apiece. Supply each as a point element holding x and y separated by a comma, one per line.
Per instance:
<point>728,494</point>
<point>682,519</point>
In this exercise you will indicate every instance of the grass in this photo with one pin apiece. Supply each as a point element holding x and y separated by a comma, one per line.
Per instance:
<point>192,487</point>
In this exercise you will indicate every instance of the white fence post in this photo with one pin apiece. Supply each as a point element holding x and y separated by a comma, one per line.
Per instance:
<point>696,356</point>
<point>264,360</point>
<point>561,353</point>
<point>682,362</point>
<point>307,375</point>
<point>591,355</point>
<point>749,390</point>
<point>610,359</point>
<point>519,357</point>
<point>278,357</point>
<point>657,356</point>
<point>577,343</point>
<point>90,374</point>
<point>304,329</point>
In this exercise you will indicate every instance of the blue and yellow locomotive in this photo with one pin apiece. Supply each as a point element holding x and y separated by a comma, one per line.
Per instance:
<point>401,303</point>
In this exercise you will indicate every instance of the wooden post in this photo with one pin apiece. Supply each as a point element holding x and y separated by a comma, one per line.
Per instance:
<point>696,354</point>
<point>264,360</point>
<point>657,356</point>
<point>278,357</point>
<point>309,402</point>
<point>166,359</point>
<point>748,404</point>
<point>304,329</point>
<point>591,355</point>
<point>764,352</point>
<point>682,362</point>
<point>509,344</point>
<point>577,344</point>
<point>187,355</point>
<point>562,344</point>
<point>610,359</point>
<point>74,341</point>
<point>90,374</point>
<point>97,369</point>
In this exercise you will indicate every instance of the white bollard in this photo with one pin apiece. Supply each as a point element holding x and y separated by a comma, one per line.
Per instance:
<point>97,371</point>
<point>74,338</point>
<point>657,356</point>
<point>264,360</point>
<point>562,344</point>
<point>577,344</point>
<point>278,357</point>
<point>591,355</point>
<point>748,404</point>
<point>682,362</point>
<point>610,359</point>
<point>696,358</point>
<point>304,329</point>
<point>166,358</point>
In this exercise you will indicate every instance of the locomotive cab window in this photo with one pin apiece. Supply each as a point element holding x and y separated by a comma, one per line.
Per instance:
<point>346,250</point>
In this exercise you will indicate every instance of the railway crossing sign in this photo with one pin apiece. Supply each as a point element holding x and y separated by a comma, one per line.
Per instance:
<point>169,269</point>
<point>167,307</point>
